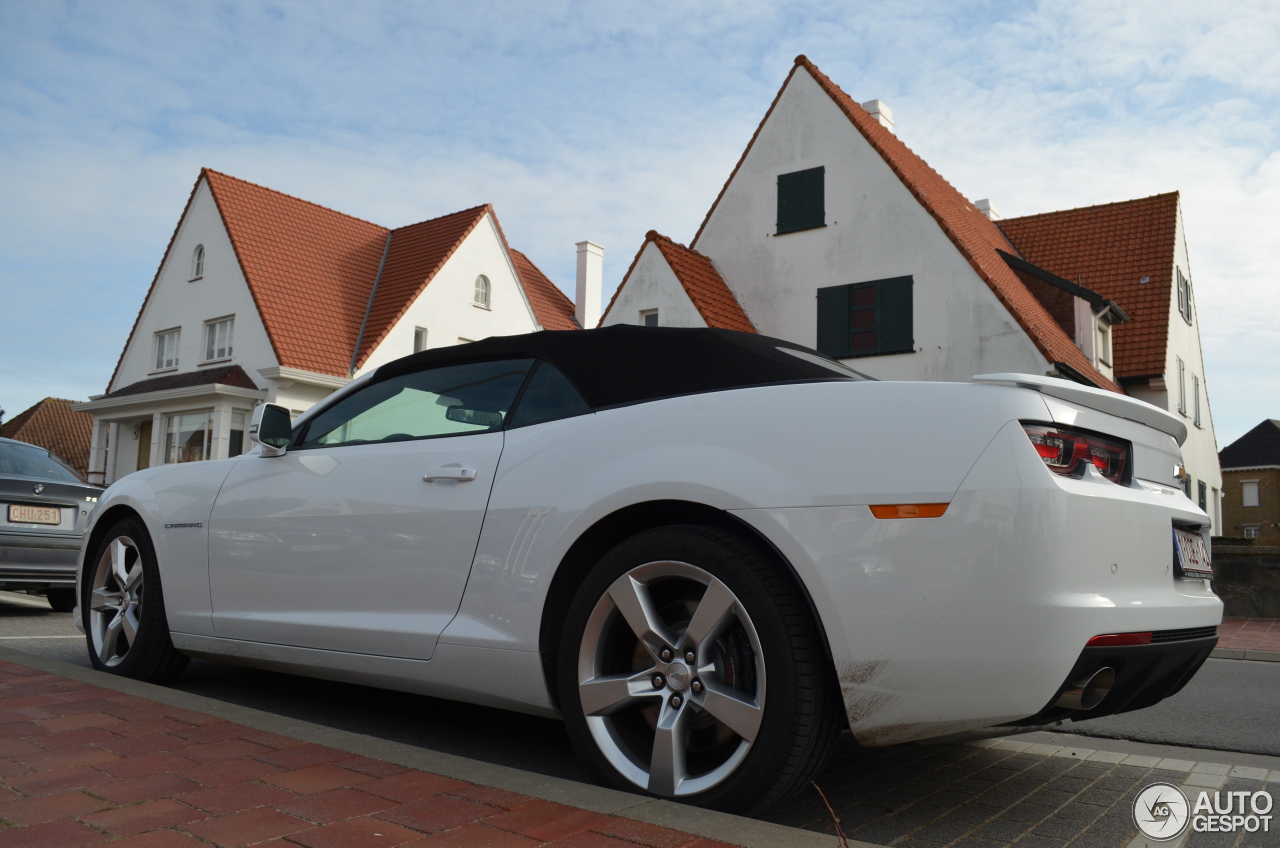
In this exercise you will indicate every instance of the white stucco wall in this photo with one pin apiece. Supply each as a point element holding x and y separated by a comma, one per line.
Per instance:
<point>653,285</point>
<point>1200,452</point>
<point>446,307</point>
<point>875,230</point>
<point>175,302</point>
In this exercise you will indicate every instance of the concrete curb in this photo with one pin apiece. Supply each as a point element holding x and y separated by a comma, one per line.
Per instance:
<point>738,830</point>
<point>1244,654</point>
<point>1200,774</point>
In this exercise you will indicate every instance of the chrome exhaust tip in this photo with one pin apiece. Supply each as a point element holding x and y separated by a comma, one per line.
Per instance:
<point>1089,693</point>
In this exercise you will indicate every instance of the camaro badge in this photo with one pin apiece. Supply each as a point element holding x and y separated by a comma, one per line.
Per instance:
<point>179,526</point>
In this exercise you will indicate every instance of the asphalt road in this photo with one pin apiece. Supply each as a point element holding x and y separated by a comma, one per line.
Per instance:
<point>1231,705</point>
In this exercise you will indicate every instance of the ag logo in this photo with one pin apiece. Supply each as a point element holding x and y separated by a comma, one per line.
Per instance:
<point>1161,811</point>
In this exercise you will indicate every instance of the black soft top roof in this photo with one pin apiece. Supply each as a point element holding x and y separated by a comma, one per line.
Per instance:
<point>625,364</point>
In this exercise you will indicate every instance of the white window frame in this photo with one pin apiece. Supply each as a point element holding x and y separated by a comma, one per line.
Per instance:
<point>157,350</point>
<point>645,314</point>
<point>171,451</point>
<point>484,293</point>
<point>197,264</point>
<point>1104,343</point>
<point>1184,296</point>
<point>210,352</point>
<point>1247,487</point>
<point>1182,387</point>
<point>1251,531</point>
<point>419,339</point>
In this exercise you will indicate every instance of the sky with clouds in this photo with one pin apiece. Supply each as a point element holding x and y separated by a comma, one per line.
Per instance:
<point>604,120</point>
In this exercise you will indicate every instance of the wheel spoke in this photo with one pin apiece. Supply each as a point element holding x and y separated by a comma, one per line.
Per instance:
<point>731,707</point>
<point>110,637</point>
<point>667,768</point>
<point>633,601</point>
<point>119,553</point>
<point>716,604</point>
<point>129,623</point>
<point>135,575</point>
<point>104,600</point>
<point>609,693</point>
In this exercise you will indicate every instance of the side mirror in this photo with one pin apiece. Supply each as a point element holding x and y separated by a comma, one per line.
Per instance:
<point>271,428</point>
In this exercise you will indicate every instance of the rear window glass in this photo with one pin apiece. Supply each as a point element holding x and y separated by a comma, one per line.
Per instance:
<point>548,397</point>
<point>34,462</point>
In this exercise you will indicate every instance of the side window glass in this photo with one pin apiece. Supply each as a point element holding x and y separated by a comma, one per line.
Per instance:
<point>548,397</point>
<point>451,400</point>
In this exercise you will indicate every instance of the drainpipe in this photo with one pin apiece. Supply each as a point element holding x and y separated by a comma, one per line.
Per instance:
<point>355,354</point>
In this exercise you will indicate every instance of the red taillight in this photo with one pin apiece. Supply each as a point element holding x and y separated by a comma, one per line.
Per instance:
<point>1112,639</point>
<point>1066,451</point>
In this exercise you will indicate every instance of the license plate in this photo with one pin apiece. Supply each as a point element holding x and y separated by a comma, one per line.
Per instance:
<point>23,514</point>
<point>1193,556</point>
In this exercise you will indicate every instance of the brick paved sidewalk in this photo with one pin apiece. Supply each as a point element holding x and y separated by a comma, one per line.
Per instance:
<point>1249,634</point>
<point>80,765</point>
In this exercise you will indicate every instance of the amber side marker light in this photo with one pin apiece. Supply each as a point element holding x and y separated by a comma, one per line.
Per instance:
<point>908,510</point>
<point>1112,639</point>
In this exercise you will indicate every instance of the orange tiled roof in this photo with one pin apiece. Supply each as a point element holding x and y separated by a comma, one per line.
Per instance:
<point>701,281</point>
<point>1110,248</point>
<point>311,269</point>
<point>974,235</point>
<point>417,252</point>
<point>55,426</point>
<point>552,307</point>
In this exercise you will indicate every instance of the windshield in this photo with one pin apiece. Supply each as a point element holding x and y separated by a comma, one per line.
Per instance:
<point>35,462</point>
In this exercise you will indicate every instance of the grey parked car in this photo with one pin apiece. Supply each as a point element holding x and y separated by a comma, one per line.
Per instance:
<point>44,504</point>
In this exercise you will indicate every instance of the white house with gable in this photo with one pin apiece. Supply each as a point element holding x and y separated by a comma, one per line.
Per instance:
<point>263,296</point>
<point>832,233</point>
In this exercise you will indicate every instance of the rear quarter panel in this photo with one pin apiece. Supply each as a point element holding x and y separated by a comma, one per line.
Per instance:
<point>808,445</point>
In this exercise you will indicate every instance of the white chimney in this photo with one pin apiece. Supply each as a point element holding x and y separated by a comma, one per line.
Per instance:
<point>986,207</point>
<point>881,112</point>
<point>590,281</point>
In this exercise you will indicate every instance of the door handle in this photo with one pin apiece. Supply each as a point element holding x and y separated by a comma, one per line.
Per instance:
<point>450,472</point>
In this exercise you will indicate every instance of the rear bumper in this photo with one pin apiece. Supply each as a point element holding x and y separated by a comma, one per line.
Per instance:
<point>1145,674</point>
<point>36,561</point>
<point>977,618</point>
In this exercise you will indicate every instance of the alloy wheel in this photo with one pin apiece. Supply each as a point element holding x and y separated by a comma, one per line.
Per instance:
<point>115,601</point>
<point>671,678</point>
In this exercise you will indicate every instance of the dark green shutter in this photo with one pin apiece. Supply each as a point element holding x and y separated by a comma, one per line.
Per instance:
<point>790,201</point>
<point>812,203</point>
<point>801,200</point>
<point>833,321</point>
<point>896,316</point>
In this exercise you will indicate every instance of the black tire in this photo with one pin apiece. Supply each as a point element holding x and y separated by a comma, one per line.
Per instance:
<point>801,715</point>
<point>151,655</point>
<point>62,600</point>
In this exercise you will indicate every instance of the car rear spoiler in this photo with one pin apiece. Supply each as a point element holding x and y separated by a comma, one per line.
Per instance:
<point>1121,406</point>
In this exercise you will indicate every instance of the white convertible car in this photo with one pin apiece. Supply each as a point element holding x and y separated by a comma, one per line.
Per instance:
<point>709,552</point>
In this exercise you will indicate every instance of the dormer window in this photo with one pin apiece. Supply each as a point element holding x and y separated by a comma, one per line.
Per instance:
<point>217,339</point>
<point>1104,342</point>
<point>197,262</point>
<point>483,289</point>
